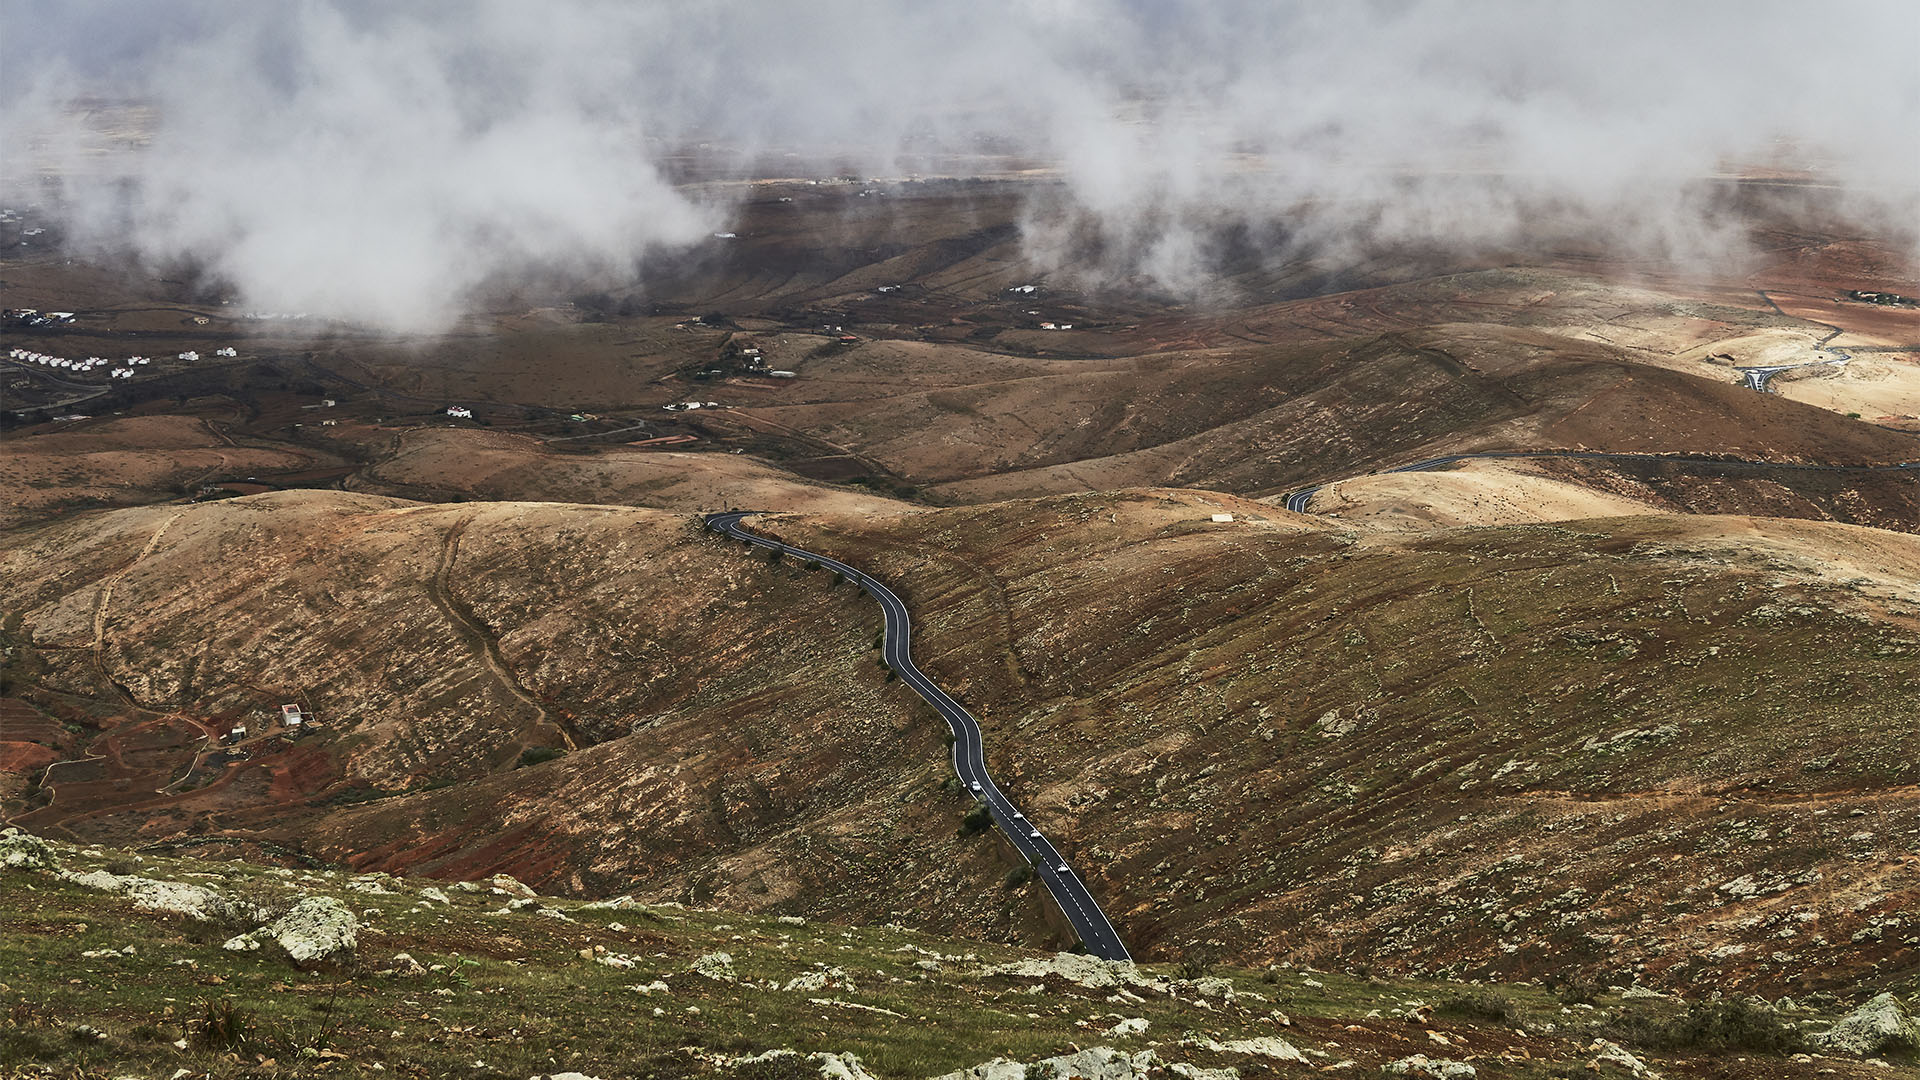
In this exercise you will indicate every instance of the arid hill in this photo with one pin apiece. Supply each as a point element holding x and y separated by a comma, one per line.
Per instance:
<point>1505,750</point>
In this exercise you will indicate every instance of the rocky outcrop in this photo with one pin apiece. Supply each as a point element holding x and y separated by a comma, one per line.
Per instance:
<point>25,851</point>
<point>831,1066</point>
<point>318,930</point>
<point>179,898</point>
<point>1088,971</point>
<point>1265,1046</point>
<point>1094,1063</point>
<point>1879,1026</point>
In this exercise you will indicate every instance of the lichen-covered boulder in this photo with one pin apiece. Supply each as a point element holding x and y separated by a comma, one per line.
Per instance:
<point>1879,1025</point>
<point>196,902</point>
<point>25,851</point>
<point>317,930</point>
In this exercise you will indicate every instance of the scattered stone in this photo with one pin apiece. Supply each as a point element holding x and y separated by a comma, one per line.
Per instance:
<point>1633,993</point>
<point>1419,1065</point>
<point>1609,1053</point>
<point>509,885</point>
<point>815,981</point>
<point>1264,1046</point>
<point>1088,971</point>
<point>1195,1072</point>
<point>1213,986</point>
<point>403,966</point>
<point>25,851</point>
<point>194,901</point>
<point>832,1066</point>
<point>1096,1063</point>
<point>435,895</point>
<point>717,966</point>
<point>242,943</point>
<point>1132,1026</point>
<point>1877,1026</point>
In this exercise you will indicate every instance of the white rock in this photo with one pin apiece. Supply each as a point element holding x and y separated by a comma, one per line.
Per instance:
<point>25,851</point>
<point>1419,1065</point>
<point>318,928</point>
<point>1264,1046</point>
<point>404,966</point>
<point>1610,1053</point>
<point>435,895</point>
<point>1095,1063</point>
<point>510,885</point>
<point>831,1066</point>
<point>1880,1024</point>
<point>193,901</point>
<point>715,965</point>
<point>241,943</point>
<point>1088,971</point>
<point>1136,1025</point>
<point>1195,1072</point>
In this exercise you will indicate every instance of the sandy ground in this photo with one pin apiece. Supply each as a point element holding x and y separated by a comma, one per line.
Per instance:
<point>1880,387</point>
<point>130,460</point>
<point>495,465</point>
<point>1473,493</point>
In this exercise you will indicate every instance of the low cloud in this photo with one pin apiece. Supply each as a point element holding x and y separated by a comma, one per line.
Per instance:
<point>382,163</point>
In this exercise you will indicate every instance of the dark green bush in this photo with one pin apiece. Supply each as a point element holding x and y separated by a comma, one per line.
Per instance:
<point>535,755</point>
<point>978,820</point>
<point>1482,1005</point>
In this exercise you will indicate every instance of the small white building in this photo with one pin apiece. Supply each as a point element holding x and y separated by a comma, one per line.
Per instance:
<point>291,716</point>
<point>1223,518</point>
<point>459,412</point>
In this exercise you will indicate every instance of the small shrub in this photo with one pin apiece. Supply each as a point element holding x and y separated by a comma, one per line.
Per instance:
<point>1579,990</point>
<point>223,1027</point>
<point>20,1047</point>
<point>535,755</point>
<point>1482,1005</point>
<point>1741,1024</point>
<point>1197,961</point>
<point>125,867</point>
<point>1018,876</point>
<point>978,820</point>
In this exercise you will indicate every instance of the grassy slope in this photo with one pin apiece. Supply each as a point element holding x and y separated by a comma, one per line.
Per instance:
<point>511,995</point>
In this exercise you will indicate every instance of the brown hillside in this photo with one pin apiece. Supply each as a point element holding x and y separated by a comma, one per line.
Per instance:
<point>1518,749</point>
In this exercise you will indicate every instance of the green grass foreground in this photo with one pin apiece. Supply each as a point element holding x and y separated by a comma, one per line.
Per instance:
<point>559,985</point>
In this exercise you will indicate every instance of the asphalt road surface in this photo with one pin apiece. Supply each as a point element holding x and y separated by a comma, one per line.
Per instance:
<point>969,753</point>
<point>1298,501</point>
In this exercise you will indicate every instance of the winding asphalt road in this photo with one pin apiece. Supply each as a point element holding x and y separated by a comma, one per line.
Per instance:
<point>1297,501</point>
<point>1758,377</point>
<point>969,754</point>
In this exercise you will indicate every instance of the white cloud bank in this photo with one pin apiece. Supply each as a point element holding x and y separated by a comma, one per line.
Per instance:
<point>381,162</point>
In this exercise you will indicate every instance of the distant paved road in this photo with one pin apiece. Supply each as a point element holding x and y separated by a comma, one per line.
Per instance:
<point>1298,501</point>
<point>969,754</point>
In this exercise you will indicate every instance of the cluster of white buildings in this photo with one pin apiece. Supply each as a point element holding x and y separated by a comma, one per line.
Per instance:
<point>91,363</point>
<point>115,369</point>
